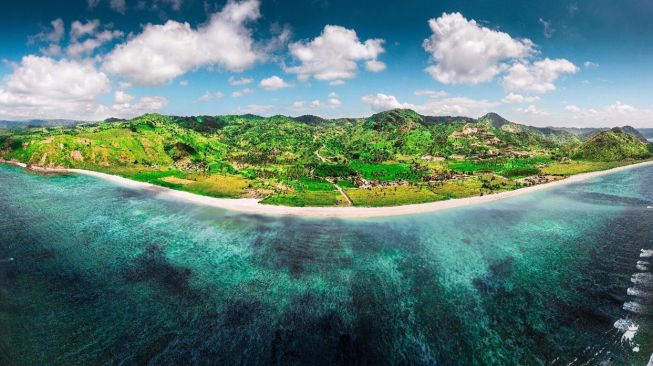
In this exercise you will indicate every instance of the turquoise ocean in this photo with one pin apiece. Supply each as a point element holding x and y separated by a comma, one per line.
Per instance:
<point>92,273</point>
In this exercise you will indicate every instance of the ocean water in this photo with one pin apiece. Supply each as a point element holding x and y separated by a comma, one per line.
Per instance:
<point>94,273</point>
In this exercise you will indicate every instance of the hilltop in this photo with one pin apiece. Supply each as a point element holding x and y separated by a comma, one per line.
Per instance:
<point>393,157</point>
<point>613,145</point>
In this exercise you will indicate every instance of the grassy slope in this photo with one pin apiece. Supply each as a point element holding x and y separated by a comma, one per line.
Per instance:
<point>380,160</point>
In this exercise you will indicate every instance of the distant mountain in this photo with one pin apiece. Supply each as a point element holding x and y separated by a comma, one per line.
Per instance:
<point>646,132</point>
<point>39,123</point>
<point>588,132</point>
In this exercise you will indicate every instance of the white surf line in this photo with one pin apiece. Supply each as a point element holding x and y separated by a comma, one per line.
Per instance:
<point>253,206</point>
<point>640,296</point>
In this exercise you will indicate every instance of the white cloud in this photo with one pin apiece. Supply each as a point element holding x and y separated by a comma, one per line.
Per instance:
<point>590,65</point>
<point>62,79</point>
<point>573,109</point>
<point>124,108</point>
<point>619,107</point>
<point>53,35</point>
<point>334,55</point>
<point>531,109</point>
<point>42,87</point>
<point>79,29</point>
<point>518,98</point>
<point>436,105</point>
<point>163,52</point>
<point>382,102</point>
<point>123,85</point>
<point>538,77</point>
<point>77,49</point>
<point>205,97</point>
<point>240,93</point>
<point>430,93</point>
<point>548,28</point>
<point>334,102</point>
<point>337,82</point>
<point>241,81</point>
<point>119,6</point>
<point>375,66</point>
<point>208,96</point>
<point>92,3</point>
<point>254,109</point>
<point>274,83</point>
<point>120,97</point>
<point>183,82</point>
<point>465,52</point>
<point>615,114</point>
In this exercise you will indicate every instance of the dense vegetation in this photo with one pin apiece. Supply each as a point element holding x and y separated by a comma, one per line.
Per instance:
<point>393,157</point>
<point>613,145</point>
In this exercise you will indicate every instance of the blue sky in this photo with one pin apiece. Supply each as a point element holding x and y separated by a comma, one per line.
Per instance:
<point>566,63</point>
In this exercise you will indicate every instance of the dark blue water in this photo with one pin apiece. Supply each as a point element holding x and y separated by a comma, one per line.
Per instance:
<point>94,273</point>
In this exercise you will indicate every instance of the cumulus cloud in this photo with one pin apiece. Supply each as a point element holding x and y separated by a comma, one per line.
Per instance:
<point>518,98</point>
<point>538,77</point>
<point>466,53</point>
<point>435,105</point>
<point>124,107</point>
<point>274,83</point>
<point>160,53</point>
<point>334,55</point>
<point>42,87</point>
<point>382,102</point>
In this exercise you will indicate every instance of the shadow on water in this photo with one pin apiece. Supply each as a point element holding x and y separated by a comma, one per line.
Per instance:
<point>153,265</point>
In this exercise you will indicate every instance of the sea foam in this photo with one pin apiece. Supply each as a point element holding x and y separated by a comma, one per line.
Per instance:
<point>628,327</point>
<point>646,253</point>
<point>642,278</point>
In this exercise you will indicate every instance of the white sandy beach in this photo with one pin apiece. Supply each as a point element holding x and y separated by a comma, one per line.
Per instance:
<point>252,206</point>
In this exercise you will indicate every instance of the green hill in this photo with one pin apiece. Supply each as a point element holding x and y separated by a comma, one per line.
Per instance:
<point>613,145</point>
<point>392,157</point>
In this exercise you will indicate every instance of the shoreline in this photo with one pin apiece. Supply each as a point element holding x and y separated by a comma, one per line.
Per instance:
<point>252,206</point>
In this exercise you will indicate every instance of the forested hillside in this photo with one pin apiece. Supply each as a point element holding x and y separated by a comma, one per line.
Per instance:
<point>393,157</point>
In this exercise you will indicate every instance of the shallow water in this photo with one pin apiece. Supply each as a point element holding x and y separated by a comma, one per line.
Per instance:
<point>94,273</point>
